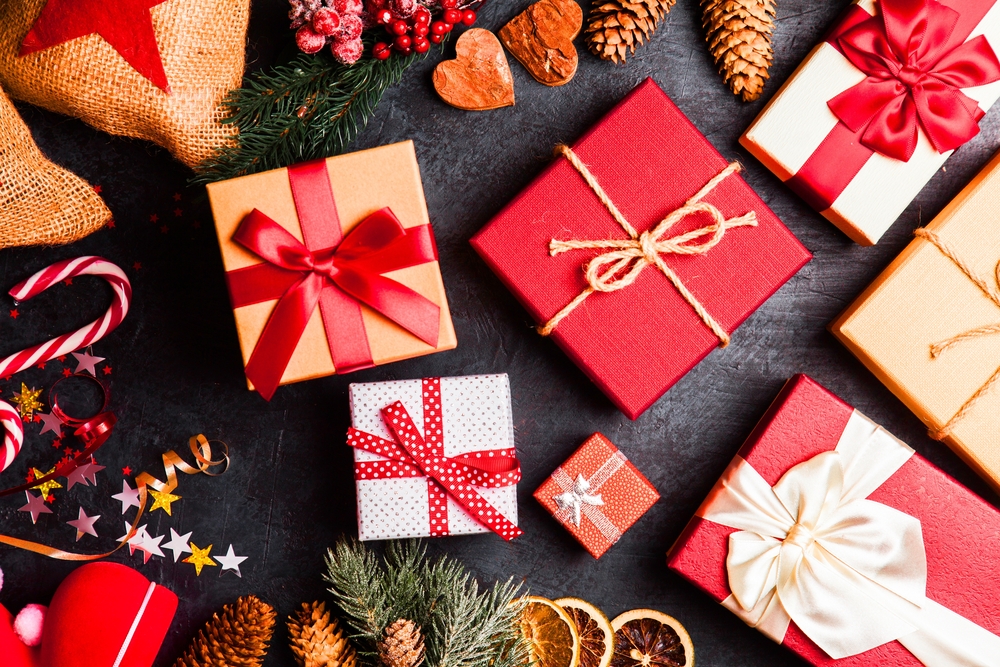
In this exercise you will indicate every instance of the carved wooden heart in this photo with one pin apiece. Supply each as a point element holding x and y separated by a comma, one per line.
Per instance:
<point>541,38</point>
<point>479,77</point>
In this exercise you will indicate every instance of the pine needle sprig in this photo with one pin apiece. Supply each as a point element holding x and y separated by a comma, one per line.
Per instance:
<point>462,626</point>
<point>313,107</point>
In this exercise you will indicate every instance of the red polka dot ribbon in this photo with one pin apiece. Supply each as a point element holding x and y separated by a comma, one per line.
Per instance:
<point>413,454</point>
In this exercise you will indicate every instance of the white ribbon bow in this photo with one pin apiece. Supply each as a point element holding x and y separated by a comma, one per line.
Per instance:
<point>574,499</point>
<point>850,572</point>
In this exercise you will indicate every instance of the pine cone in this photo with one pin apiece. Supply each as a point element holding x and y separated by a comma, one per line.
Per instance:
<point>739,36</point>
<point>315,641</point>
<point>402,645</point>
<point>617,26</point>
<point>235,637</point>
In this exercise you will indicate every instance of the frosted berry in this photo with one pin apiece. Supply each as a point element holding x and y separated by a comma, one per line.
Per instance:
<point>347,52</point>
<point>434,38</point>
<point>420,30</point>
<point>449,4</point>
<point>347,6</point>
<point>402,42</point>
<point>421,45</point>
<point>451,16</point>
<point>308,40</point>
<point>325,21</point>
<point>399,28</point>
<point>381,51</point>
<point>422,15</point>
<point>351,27</point>
<point>403,8</point>
<point>439,28</point>
<point>383,16</point>
<point>468,17</point>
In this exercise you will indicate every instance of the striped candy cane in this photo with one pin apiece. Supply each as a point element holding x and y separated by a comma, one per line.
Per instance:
<point>66,343</point>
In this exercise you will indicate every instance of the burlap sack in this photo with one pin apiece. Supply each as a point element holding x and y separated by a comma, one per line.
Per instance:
<point>201,44</point>
<point>40,202</point>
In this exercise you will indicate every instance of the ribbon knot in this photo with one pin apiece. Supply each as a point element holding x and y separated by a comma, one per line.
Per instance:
<point>799,536</point>
<point>574,499</point>
<point>624,259</point>
<point>916,67</point>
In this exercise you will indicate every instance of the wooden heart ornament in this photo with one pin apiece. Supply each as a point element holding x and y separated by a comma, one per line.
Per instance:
<point>479,77</point>
<point>541,38</point>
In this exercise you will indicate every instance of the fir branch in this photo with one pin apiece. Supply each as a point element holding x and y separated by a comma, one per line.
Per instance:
<point>462,626</point>
<point>311,108</point>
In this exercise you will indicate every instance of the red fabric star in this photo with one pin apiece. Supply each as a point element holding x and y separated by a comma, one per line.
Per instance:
<point>125,24</point>
<point>56,444</point>
<point>178,212</point>
<point>13,313</point>
<point>177,196</point>
<point>42,365</point>
<point>137,265</point>
<point>97,189</point>
<point>67,372</point>
<point>107,370</point>
<point>154,218</point>
<point>125,471</point>
<point>62,358</point>
<point>50,499</point>
<point>111,224</point>
<point>164,229</point>
<point>68,281</point>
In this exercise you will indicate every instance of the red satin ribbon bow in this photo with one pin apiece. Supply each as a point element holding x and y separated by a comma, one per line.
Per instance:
<point>297,277</point>
<point>413,456</point>
<point>915,72</point>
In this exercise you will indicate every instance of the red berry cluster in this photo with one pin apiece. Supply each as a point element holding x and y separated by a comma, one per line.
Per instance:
<point>338,23</point>
<point>416,33</point>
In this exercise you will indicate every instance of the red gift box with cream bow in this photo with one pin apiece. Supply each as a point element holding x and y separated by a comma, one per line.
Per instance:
<point>836,540</point>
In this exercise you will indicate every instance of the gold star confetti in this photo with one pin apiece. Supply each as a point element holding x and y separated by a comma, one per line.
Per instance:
<point>199,558</point>
<point>162,500</point>
<point>47,487</point>
<point>27,401</point>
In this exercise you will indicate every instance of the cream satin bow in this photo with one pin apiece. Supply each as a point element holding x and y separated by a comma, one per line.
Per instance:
<point>850,572</point>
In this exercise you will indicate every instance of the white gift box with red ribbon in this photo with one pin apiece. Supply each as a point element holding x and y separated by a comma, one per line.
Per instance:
<point>467,419</point>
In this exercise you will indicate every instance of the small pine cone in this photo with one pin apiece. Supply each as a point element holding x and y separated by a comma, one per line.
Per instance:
<point>402,645</point>
<point>235,637</point>
<point>318,642</point>
<point>616,27</point>
<point>739,36</point>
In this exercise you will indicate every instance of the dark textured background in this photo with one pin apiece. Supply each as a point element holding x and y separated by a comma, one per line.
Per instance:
<point>177,370</point>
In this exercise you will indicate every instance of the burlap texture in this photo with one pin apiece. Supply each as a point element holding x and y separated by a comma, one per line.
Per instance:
<point>201,43</point>
<point>40,202</point>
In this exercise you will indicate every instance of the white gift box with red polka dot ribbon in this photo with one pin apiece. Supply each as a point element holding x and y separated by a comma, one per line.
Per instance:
<point>474,412</point>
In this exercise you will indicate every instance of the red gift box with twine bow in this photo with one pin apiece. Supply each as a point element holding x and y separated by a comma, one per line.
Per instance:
<point>836,540</point>
<point>875,110</point>
<point>676,249</point>
<point>331,266</point>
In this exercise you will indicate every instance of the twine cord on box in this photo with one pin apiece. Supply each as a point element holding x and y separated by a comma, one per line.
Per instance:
<point>604,273</point>
<point>979,332</point>
<point>581,497</point>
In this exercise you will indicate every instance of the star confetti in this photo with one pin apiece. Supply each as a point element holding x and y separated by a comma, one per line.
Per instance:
<point>199,558</point>
<point>46,487</point>
<point>147,544</point>
<point>179,544</point>
<point>86,362</point>
<point>231,562</point>
<point>129,497</point>
<point>92,470</point>
<point>84,524</point>
<point>162,500</point>
<point>36,505</point>
<point>126,471</point>
<point>126,25</point>
<point>139,531</point>
<point>49,423</point>
<point>27,401</point>
<point>78,476</point>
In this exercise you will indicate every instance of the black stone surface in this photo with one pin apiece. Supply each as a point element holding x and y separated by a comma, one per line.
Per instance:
<point>177,369</point>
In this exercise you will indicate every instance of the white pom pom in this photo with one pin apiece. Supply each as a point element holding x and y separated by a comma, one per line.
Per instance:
<point>28,624</point>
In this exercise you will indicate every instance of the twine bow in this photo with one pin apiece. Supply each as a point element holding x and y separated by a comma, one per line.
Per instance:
<point>978,332</point>
<point>625,259</point>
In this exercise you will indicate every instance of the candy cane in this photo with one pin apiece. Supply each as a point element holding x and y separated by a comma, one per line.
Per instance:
<point>66,343</point>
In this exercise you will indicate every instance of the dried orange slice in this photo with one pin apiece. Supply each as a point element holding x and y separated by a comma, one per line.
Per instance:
<point>552,637</point>
<point>594,628</point>
<point>649,638</point>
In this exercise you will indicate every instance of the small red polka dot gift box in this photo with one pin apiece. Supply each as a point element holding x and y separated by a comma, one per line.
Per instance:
<point>597,494</point>
<point>434,457</point>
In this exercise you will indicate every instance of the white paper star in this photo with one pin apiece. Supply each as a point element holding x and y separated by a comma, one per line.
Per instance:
<point>129,497</point>
<point>230,562</point>
<point>148,545</point>
<point>139,532</point>
<point>86,362</point>
<point>50,423</point>
<point>179,544</point>
<point>92,470</point>
<point>84,524</point>
<point>78,476</point>
<point>36,505</point>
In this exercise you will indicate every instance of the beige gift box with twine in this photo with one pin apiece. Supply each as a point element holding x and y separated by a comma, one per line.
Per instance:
<point>929,326</point>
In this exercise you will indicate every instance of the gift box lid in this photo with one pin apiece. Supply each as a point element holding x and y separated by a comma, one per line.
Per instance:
<point>635,343</point>
<point>961,532</point>
<point>626,494</point>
